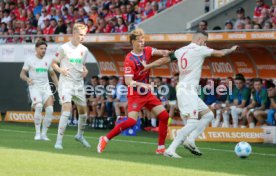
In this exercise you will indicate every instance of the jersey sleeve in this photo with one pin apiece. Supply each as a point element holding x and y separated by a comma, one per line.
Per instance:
<point>206,52</point>
<point>129,68</point>
<point>26,65</point>
<point>59,55</point>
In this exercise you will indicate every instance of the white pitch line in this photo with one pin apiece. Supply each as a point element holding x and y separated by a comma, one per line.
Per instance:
<point>140,142</point>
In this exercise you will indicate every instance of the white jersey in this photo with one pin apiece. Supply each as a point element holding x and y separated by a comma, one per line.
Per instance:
<point>190,60</point>
<point>38,70</point>
<point>73,58</point>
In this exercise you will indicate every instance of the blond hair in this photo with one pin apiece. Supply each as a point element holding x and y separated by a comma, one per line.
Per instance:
<point>79,26</point>
<point>136,33</point>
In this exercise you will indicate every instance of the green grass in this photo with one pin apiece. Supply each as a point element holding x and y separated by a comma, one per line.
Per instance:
<point>124,156</point>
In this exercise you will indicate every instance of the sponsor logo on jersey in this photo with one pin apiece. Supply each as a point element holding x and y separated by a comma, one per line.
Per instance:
<point>75,60</point>
<point>41,70</point>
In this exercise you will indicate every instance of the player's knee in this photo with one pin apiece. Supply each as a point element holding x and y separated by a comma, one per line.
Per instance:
<point>209,116</point>
<point>66,113</point>
<point>38,107</point>
<point>49,110</point>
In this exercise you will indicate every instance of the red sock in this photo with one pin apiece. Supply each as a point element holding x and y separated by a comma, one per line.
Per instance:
<point>121,127</point>
<point>163,127</point>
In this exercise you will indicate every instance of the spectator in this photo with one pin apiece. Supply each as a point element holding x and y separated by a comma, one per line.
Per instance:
<point>47,28</point>
<point>43,18</point>
<point>264,17</point>
<point>255,110</point>
<point>228,25</point>
<point>203,25</point>
<point>241,97</point>
<point>91,27</point>
<point>61,27</point>
<point>92,99</point>
<point>240,26</point>
<point>240,17</point>
<point>267,25</point>
<point>257,26</point>
<point>130,14</point>
<point>6,18</point>
<point>271,115</point>
<point>38,7</point>
<point>121,100</point>
<point>94,14</point>
<point>260,5</point>
<point>148,11</point>
<point>121,26</point>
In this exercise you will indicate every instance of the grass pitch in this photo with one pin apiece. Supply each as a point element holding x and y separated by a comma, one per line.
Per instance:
<point>20,155</point>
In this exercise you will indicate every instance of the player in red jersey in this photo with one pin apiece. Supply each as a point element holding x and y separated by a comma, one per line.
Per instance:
<point>139,91</point>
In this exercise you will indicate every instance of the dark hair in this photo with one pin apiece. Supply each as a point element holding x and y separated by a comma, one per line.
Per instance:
<point>202,32</point>
<point>205,22</point>
<point>105,78</point>
<point>258,80</point>
<point>270,84</point>
<point>39,43</point>
<point>158,77</point>
<point>114,77</point>
<point>95,77</point>
<point>240,76</point>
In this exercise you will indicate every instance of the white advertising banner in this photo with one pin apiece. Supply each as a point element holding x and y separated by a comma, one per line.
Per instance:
<point>19,53</point>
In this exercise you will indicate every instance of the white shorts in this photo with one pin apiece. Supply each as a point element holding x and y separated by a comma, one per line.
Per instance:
<point>189,103</point>
<point>40,94</point>
<point>69,91</point>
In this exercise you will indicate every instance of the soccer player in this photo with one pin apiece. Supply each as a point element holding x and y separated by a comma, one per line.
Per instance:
<point>139,91</point>
<point>190,59</point>
<point>72,56</point>
<point>37,68</point>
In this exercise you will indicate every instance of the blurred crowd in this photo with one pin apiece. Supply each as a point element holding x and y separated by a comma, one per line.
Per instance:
<point>47,17</point>
<point>264,17</point>
<point>236,102</point>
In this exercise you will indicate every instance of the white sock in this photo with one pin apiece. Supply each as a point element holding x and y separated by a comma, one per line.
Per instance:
<point>38,118</point>
<point>183,133</point>
<point>153,122</point>
<point>202,124</point>
<point>217,120</point>
<point>160,147</point>
<point>81,124</point>
<point>251,125</point>
<point>47,120</point>
<point>235,117</point>
<point>226,117</point>
<point>62,126</point>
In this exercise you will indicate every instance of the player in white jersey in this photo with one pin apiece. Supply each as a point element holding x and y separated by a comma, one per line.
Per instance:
<point>72,56</point>
<point>41,95</point>
<point>190,60</point>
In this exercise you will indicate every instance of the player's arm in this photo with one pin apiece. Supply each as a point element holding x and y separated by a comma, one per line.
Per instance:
<point>224,52</point>
<point>272,103</point>
<point>164,53</point>
<point>85,71</point>
<point>130,82</point>
<point>56,60</point>
<point>54,77</point>
<point>159,62</point>
<point>24,77</point>
<point>251,105</point>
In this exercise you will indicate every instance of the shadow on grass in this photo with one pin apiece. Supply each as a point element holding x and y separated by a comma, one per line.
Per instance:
<point>138,149</point>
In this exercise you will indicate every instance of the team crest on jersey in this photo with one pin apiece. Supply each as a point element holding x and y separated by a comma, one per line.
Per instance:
<point>194,112</point>
<point>81,53</point>
<point>46,63</point>
<point>57,54</point>
<point>134,105</point>
<point>127,69</point>
<point>34,99</point>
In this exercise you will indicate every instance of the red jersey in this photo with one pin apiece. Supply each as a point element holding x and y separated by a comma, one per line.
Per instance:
<point>133,66</point>
<point>258,10</point>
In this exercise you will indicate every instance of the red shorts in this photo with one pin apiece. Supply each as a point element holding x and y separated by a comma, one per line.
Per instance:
<point>137,102</point>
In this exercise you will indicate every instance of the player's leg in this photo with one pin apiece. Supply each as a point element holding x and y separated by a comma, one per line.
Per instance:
<point>65,94</point>
<point>271,117</point>
<point>260,117</point>
<point>48,117</point>
<point>235,112</point>
<point>131,121</point>
<point>226,118</point>
<point>37,106</point>
<point>188,105</point>
<point>80,101</point>
<point>135,104</point>
<point>206,118</point>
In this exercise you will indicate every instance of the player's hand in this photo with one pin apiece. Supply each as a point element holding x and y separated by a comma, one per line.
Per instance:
<point>29,81</point>
<point>234,48</point>
<point>65,71</point>
<point>85,72</point>
<point>145,65</point>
